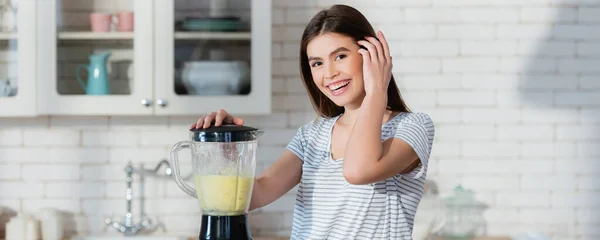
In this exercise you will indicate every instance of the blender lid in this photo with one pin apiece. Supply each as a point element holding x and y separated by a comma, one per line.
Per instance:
<point>225,133</point>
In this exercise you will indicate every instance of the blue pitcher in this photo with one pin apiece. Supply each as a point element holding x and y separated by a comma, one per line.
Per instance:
<point>97,83</point>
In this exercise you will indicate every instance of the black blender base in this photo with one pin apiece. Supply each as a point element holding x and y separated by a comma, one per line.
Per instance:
<point>224,228</point>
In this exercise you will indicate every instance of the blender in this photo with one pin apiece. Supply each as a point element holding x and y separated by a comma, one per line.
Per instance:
<point>223,164</point>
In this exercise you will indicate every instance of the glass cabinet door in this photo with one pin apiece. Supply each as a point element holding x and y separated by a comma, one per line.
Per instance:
<point>213,54</point>
<point>17,58</point>
<point>97,56</point>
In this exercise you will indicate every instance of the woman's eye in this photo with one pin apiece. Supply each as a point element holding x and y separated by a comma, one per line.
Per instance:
<point>340,57</point>
<point>316,64</point>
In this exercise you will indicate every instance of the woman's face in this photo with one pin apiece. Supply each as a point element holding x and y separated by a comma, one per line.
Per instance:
<point>336,68</point>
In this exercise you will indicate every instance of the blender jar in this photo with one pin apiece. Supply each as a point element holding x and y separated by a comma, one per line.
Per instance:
<point>224,164</point>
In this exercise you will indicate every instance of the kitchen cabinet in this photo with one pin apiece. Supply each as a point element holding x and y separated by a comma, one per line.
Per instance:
<point>177,57</point>
<point>187,52</point>
<point>17,58</point>
<point>66,45</point>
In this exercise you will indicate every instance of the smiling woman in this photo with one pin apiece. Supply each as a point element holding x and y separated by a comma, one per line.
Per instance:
<point>361,167</point>
<point>338,40</point>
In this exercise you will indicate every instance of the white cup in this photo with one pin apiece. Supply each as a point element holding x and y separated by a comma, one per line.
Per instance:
<point>218,8</point>
<point>52,224</point>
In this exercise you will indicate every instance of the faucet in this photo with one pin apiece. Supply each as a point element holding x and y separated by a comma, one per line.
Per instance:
<point>128,227</point>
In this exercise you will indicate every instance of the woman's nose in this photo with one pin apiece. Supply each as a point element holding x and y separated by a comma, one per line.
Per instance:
<point>331,71</point>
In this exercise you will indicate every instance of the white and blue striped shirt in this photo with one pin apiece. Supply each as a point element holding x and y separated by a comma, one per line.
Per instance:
<point>328,207</point>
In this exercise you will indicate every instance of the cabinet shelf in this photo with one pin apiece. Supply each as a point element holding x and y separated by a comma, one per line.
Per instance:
<point>213,35</point>
<point>95,35</point>
<point>129,35</point>
<point>7,36</point>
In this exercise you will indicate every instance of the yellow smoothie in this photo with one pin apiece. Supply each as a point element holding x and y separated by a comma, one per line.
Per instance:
<point>223,195</point>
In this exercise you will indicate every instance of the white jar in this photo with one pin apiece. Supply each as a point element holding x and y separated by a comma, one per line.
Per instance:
<point>51,224</point>
<point>22,227</point>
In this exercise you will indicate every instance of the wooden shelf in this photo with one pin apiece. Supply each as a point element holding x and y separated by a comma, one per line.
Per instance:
<point>7,36</point>
<point>214,35</point>
<point>95,35</point>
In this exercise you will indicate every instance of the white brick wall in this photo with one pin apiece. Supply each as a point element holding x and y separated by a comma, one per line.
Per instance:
<point>513,87</point>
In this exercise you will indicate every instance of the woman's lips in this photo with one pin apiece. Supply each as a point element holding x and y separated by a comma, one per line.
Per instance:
<point>338,87</point>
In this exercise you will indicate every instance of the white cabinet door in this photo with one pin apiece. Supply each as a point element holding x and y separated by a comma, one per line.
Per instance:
<point>211,55</point>
<point>17,58</point>
<point>91,62</point>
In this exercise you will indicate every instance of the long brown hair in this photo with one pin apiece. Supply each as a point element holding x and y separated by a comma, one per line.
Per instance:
<point>348,21</point>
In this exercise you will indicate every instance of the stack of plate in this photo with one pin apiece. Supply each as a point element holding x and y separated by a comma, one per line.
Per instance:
<point>212,24</point>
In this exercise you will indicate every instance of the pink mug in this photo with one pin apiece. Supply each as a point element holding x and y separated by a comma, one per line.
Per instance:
<point>125,21</point>
<point>100,21</point>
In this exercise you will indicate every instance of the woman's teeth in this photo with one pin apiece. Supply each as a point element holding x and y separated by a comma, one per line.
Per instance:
<point>339,85</point>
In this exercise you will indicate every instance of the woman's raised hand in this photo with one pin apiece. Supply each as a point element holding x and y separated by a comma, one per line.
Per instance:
<point>219,117</point>
<point>377,64</point>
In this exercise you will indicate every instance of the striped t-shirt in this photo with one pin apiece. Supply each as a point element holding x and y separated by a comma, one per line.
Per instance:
<point>328,207</point>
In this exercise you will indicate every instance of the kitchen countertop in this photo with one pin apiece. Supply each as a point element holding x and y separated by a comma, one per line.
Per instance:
<point>271,238</point>
<point>478,238</point>
<point>438,238</point>
<point>257,238</point>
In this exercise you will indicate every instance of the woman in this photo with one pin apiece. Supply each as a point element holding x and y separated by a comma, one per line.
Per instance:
<point>361,166</point>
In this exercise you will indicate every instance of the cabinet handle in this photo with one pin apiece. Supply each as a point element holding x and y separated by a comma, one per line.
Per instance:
<point>146,102</point>
<point>161,102</point>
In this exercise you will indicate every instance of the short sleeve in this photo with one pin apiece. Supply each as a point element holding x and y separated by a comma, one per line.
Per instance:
<point>298,143</point>
<point>418,131</point>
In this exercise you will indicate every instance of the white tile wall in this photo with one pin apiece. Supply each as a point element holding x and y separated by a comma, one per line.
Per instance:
<point>513,87</point>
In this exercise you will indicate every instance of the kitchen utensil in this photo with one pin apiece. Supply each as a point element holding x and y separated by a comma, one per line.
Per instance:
<point>97,83</point>
<point>463,216</point>
<point>5,89</point>
<point>224,164</point>
<point>124,21</point>
<point>51,224</point>
<point>101,22</point>
<point>8,16</point>
<point>212,24</point>
<point>218,8</point>
<point>22,227</point>
<point>215,77</point>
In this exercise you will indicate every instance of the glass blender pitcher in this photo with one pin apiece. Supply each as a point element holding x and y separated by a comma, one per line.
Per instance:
<point>224,164</point>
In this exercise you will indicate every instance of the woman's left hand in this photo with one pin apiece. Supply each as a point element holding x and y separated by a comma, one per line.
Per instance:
<point>377,64</point>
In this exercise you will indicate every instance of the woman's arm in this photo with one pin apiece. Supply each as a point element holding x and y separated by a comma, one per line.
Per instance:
<point>366,159</point>
<point>277,180</point>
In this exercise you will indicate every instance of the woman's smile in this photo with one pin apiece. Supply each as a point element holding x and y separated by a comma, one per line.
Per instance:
<point>336,88</point>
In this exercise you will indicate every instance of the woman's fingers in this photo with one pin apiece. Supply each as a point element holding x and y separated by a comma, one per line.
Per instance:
<point>386,46</point>
<point>208,120</point>
<point>380,54</point>
<point>365,55</point>
<point>221,115</point>
<point>371,48</point>
<point>218,118</point>
<point>238,121</point>
<point>200,122</point>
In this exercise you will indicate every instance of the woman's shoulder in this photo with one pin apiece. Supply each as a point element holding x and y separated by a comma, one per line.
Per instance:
<point>415,117</point>
<point>316,124</point>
